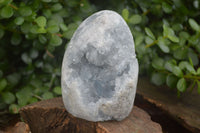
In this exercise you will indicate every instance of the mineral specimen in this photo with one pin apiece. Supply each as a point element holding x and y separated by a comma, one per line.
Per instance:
<point>100,69</point>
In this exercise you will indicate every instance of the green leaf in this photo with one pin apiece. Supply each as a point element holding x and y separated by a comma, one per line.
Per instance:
<point>58,19</point>
<point>141,49</point>
<point>47,13</point>
<point>47,95</point>
<point>158,78</point>
<point>31,17</point>
<point>171,81</point>
<point>3,84</point>
<point>196,4</point>
<point>71,29</point>
<point>158,63</point>
<point>139,39</point>
<point>32,100</point>
<point>8,97</point>
<point>183,36</point>
<point>25,11</point>
<point>188,66</point>
<point>194,25</point>
<point>63,27</point>
<point>41,30</point>
<point>148,40</point>
<point>177,26</point>
<point>41,21</point>
<point>198,71</point>
<point>34,29</point>
<point>57,90</point>
<point>125,14</point>
<point>25,27</point>
<point>33,53</point>
<point>198,87</point>
<point>6,2</point>
<point>6,12</point>
<point>52,22</point>
<point>23,96</point>
<point>14,109</point>
<point>164,48</point>
<point>42,39</point>
<point>13,79</point>
<point>149,33</point>
<point>181,85</point>
<point>16,39</point>
<point>173,38</point>
<point>39,64</point>
<point>177,71</point>
<point>53,29</point>
<point>135,19</point>
<point>194,40</point>
<point>166,7</point>
<point>55,40</point>
<point>162,45</point>
<point>194,57</point>
<point>31,36</point>
<point>169,65</point>
<point>19,20</point>
<point>167,31</point>
<point>190,60</point>
<point>26,58</point>
<point>56,7</point>
<point>37,83</point>
<point>181,53</point>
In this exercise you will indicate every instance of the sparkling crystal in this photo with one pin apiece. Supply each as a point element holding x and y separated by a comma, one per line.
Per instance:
<point>100,69</point>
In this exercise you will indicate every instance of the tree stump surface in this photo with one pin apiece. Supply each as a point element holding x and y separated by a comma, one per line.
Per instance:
<point>50,116</point>
<point>19,127</point>
<point>185,110</point>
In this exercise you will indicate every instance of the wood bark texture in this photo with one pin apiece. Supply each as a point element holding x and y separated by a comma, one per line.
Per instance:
<point>50,116</point>
<point>185,110</point>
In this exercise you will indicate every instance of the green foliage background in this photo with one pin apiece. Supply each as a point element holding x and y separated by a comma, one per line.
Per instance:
<point>34,35</point>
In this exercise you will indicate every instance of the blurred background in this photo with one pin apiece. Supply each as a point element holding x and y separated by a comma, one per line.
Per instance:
<point>34,35</point>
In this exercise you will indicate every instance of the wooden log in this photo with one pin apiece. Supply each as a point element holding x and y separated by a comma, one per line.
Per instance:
<point>185,110</point>
<point>19,127</point>
<point>50,116</point>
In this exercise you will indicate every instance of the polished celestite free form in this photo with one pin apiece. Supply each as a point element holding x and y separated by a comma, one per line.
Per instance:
<point>100,69</point>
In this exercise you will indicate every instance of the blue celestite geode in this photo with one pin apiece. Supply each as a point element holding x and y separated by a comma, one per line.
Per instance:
<point>100,69</point>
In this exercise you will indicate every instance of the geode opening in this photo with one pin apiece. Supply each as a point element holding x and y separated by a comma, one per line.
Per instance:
<point>100,69</point>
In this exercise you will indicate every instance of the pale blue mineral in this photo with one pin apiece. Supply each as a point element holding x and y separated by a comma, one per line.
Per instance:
<point>100,69</point>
